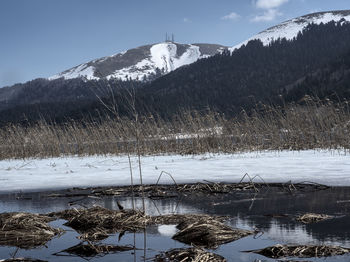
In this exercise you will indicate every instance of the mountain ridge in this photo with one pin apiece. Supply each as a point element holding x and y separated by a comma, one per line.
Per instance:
<point>291,28</point>
<point>315,62</point>
<point>142,63</point>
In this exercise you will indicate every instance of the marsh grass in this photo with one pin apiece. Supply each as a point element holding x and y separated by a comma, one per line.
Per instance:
<point>312,218</point>
<point>315,124</point>
<point>301,251</point>
<point>188,255</point>
<point>25,230</point>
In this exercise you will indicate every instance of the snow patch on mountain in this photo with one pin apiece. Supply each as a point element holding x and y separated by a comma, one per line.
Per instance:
<point>148,61</point>
<point>82,70</point>
<point>290,29</point>
<point>163,58</point>
<point>136,72</point>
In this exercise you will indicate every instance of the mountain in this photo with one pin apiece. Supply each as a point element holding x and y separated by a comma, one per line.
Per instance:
<point>291,28</point>
<point>142,63</point>
<point>279,72</point>
<point>316,61</point>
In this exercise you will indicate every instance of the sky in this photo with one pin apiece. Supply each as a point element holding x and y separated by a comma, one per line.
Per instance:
<point>39,38</point>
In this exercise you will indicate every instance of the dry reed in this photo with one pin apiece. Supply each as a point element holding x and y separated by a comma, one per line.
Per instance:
<point>312,218</point>
<point>322,125</point>
<point>22,259</point>
<point>90,250</point>
<point>208,233</point>
<point>302,251</point>
<point>188,255</point>
<point>26,230</point>
<point>98,221</point>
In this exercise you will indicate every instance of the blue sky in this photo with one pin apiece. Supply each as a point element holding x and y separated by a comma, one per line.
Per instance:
<point>39,38</point>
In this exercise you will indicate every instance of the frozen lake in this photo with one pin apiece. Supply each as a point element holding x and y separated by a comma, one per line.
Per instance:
<point>326,167</point>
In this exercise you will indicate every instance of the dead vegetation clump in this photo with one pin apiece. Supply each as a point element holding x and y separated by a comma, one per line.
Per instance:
<point>216,188</point>
<point>188,255</point>
<point>90,250</point>
<point>25,230</point>
<point>21,259</point>
<point>208,233</point>
<point>97,221</point>
<point>177,219</point>
<point>93,235</point>
<point>301,251</point>
<point>156,191</point>
<point>312,218</point>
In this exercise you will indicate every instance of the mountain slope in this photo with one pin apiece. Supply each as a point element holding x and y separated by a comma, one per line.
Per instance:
<point>315,62</point>
<point>142,63</point>
<point>253,73</point>
<point>291,28</point>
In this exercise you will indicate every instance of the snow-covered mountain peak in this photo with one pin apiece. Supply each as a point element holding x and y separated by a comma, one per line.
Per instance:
<point>142,63</point>
<point>167,58</point>
<point>290,29</point>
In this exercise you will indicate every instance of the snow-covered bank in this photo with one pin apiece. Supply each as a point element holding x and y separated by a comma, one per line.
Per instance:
<point>331,168</point>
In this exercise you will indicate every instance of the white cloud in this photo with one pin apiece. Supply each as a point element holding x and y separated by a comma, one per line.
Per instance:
<point>269,4</point>
<point>231,16</point>
<point>186,20</point>
<point>314,11</point>
<point>270,9</point>
<point>268,15</point>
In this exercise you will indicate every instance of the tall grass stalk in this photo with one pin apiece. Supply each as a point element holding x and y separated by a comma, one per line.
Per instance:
<point>315,124</point>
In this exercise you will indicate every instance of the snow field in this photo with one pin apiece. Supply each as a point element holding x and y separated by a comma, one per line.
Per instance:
<point>326,167</point>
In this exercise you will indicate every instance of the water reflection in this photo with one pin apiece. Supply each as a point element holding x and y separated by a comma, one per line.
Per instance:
<point>247,211</point>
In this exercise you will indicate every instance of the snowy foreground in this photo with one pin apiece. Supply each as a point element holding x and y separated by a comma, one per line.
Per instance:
<point>326,167</point>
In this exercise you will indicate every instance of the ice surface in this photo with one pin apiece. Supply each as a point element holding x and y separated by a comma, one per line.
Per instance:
<point>331,168</point>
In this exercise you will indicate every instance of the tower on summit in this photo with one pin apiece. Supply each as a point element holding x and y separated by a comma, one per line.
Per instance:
<point>168,39</point>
